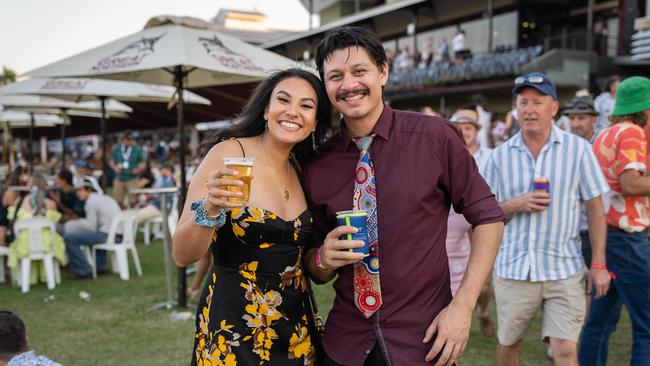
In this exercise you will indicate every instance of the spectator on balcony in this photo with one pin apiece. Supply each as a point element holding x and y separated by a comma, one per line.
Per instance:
<point>458,45</point>
<point>442,51</point>
<point>427,54</point>
<point>403,61</point>
<point>604,102</point>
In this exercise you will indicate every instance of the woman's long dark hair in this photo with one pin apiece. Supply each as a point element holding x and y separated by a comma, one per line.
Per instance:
<point>251,120</point>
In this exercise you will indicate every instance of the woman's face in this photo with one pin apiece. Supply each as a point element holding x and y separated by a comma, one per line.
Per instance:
<point>291,112</point>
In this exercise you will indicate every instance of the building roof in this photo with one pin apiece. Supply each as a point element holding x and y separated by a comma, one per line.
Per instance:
<point>363,15</point>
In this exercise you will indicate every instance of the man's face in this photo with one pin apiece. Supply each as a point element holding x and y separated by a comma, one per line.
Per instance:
<point>82,194</point>
<point>59,183</point>
<point>582,125</point>
<point>535,111</point>
<point>469,132</point>
<point>354,83</point>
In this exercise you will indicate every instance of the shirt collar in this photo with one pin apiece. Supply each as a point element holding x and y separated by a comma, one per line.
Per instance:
<point>382,127</point>
<point>518,141</point>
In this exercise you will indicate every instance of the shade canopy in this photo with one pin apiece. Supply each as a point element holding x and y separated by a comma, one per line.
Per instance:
<point>49,105</point>
<point>23,119</point>
<point>151,55</point>
<point>80,89</point>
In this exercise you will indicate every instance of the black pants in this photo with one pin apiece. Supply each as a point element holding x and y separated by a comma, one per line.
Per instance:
<point>375,358</point>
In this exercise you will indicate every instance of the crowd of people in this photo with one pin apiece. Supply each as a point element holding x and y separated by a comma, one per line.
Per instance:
<point>553,217</point>
<point>74,199</point>
<point>431,53</point>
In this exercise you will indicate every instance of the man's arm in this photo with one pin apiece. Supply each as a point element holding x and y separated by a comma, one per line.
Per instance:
<point>633,183</point>
<point>453,323</point>
<point>597,233</point>
<point>527,202</point>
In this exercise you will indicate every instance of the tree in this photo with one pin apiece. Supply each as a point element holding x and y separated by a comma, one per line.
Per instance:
<point>8,76</point>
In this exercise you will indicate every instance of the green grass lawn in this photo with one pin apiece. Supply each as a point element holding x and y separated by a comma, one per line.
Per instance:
<point>115,328</point>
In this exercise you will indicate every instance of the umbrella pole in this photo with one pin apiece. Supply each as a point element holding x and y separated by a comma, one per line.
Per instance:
<point>102,101</point>
<point>64,114</point>
<point>178,80</point>
<point>31,143</point>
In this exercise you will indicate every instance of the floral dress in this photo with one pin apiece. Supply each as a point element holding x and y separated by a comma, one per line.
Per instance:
<point>253,308</point>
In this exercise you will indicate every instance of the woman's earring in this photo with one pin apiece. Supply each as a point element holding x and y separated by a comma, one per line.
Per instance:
<point>313,141</point>
<point>266,124</point>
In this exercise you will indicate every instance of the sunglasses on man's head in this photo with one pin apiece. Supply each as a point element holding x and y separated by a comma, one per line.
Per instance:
<point>529,80</point>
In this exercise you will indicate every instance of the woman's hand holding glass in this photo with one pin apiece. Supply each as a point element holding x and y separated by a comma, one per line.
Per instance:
<point>217,194</point>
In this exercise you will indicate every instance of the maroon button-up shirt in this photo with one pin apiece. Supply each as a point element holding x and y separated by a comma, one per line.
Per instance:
<point>421,167</point>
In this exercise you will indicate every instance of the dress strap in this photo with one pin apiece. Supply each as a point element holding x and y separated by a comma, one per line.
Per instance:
<point>240,145</point>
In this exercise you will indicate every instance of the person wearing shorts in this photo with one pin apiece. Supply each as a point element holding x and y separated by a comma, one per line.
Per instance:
<point>540,177</point>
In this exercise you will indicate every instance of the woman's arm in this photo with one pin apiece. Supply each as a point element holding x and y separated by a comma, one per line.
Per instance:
<point>191,241</point>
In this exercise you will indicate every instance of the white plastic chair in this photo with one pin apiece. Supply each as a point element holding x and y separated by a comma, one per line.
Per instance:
<point>119,260</point>
<point>4,252</point>
<point>155,224</point>
<point>34,227</point>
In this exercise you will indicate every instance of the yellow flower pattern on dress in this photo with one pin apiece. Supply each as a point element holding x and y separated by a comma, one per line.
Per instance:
<point>271,328</point>
<point>300,344</point>
<point>209,352</point>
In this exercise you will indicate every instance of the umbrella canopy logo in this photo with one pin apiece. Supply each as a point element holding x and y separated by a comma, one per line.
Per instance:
<point>68,84</point>
<point>225,56</point>
<point>128,56</point>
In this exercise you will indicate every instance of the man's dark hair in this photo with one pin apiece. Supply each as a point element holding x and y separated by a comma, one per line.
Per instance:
<point>344,37</point>
<point>12,335</point>
<point>66,176</point>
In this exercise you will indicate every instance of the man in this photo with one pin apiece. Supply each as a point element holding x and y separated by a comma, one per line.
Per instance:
<point>582,122</point>
<point>621,150</point>
<point>14,349</point>
<point>414,169</point>
<point>604,103</point>
<point>93,229</point>
<point>128,161</point>
<point>466,120</point>
<point>539,262</point>
<point>83,171</point>
<point>65,197</point>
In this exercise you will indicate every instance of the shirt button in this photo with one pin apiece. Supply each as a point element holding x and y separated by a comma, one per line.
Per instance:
<point>368,352</point>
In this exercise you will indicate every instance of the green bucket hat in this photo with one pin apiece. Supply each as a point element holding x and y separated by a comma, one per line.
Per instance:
<point>632,96</point>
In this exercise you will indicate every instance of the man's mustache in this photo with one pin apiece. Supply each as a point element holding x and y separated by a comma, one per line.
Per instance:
<point>346,93</point>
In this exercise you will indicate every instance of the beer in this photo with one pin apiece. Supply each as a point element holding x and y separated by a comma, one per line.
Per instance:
<point>244,168</point>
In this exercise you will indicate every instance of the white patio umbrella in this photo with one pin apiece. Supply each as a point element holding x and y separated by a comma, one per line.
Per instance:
<point>167,53</point>
<point>173,51</point>
<point>22,119</point>
<point>79,90</point>
<point>50,105</point>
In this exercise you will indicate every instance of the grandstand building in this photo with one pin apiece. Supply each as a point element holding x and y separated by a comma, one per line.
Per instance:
<point>577,43</point>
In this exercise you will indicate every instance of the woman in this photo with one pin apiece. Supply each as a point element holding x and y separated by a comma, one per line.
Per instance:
<point>35,204</point>
<point>253,308</point>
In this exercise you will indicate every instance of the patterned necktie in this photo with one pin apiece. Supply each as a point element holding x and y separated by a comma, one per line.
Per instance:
<point>367,292</point>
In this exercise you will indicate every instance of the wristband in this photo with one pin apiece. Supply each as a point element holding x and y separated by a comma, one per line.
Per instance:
<point>317,260</point>
<point>603,267</point>
<point>203,218</point>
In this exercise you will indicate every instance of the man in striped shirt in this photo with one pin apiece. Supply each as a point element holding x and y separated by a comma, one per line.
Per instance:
<point>540,176</point>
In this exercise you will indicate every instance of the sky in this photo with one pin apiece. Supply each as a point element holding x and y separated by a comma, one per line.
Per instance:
<point>34,33</point>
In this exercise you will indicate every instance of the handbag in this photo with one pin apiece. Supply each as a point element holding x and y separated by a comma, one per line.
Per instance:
<point>316,323</point>
<point>10,236</point>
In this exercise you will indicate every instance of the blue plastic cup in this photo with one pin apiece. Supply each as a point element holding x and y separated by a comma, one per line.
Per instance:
<point>358,219</point>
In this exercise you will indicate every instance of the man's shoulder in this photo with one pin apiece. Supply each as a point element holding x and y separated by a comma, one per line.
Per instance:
<point>415,122</point>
